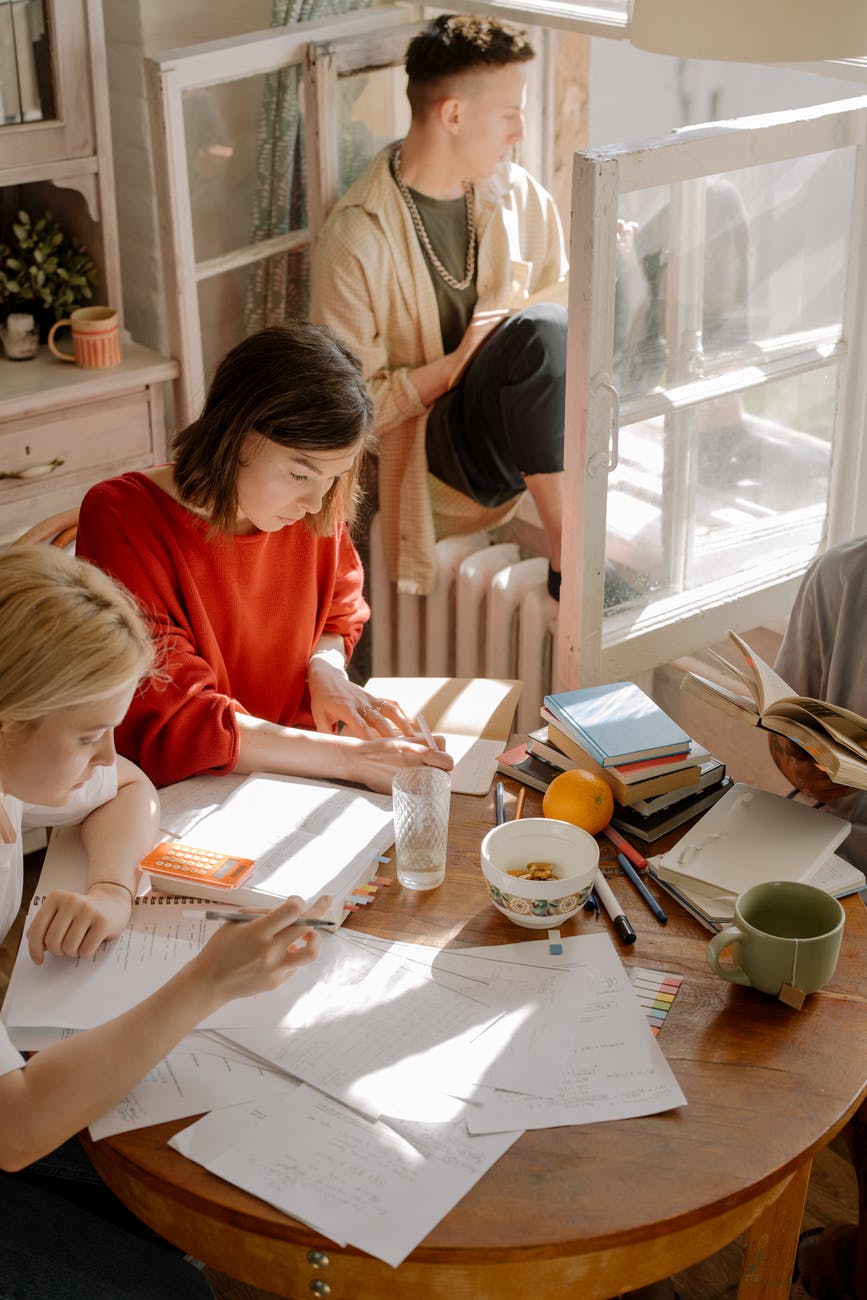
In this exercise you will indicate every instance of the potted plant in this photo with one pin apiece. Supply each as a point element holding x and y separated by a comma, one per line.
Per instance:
<point>43,271</point>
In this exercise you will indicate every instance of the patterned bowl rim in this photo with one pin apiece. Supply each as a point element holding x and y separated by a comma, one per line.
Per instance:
<point>539,906</point>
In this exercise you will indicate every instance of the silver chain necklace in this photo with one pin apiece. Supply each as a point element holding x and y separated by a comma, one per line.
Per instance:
<point>470,269</point>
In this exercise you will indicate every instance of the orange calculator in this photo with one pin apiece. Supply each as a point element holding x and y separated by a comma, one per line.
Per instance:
<point>199,866</point>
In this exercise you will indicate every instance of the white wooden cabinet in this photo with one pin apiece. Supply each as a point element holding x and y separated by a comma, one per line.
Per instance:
<point>62,428</point>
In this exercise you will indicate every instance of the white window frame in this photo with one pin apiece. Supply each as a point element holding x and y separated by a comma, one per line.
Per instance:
<point>592,649</point>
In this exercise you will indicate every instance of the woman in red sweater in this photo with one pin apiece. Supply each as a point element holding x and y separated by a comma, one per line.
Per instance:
<point>240,557</point>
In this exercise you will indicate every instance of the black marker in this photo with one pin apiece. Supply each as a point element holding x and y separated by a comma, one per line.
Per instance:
<point>608,899</point>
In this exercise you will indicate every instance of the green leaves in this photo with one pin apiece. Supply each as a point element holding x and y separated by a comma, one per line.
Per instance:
<point>41,266</point>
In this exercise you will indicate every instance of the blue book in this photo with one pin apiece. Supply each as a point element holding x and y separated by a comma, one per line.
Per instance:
<point>617,723</point>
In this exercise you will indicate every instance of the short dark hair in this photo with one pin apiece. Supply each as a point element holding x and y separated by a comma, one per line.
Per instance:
<point>457,43</point>
<point>297,385</point>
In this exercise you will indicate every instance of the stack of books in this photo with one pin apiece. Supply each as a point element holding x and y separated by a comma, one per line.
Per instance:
<point>659,776</point>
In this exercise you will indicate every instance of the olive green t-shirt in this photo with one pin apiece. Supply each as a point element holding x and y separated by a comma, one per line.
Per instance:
<point>445,221</point>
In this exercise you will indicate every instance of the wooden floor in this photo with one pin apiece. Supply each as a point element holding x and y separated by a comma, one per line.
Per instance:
<point>832,1187</point>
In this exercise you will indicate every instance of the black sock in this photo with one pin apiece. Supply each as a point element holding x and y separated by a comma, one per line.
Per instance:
<point>554,579</point>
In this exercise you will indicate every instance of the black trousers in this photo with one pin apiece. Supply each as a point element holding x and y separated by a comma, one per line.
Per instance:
<point>504,420</point>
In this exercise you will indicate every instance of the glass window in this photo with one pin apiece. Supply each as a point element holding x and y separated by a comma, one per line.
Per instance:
<point>26,92</point>
<point>721,486</point>
<point>754,258</point>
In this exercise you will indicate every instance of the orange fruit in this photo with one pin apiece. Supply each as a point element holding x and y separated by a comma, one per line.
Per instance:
<point>579,797</point>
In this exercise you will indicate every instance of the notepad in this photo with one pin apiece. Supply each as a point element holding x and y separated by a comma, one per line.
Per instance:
<point>748,837</point>
<point>474,714</point>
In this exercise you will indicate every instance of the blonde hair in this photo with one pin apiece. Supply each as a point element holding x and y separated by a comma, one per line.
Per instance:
<point>69,634</point>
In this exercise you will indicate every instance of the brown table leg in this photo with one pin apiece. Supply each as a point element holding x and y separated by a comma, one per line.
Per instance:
<point>772,1242</point>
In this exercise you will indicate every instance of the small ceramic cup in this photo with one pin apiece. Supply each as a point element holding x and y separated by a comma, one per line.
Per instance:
<point>20,336</point>
<point>784,933</point>
<point>95,338</point>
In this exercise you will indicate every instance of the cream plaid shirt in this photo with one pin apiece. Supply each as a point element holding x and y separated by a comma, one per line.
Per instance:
<point>372,286</point>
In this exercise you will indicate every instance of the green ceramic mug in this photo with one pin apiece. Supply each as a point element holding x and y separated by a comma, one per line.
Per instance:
<point>784,932</point>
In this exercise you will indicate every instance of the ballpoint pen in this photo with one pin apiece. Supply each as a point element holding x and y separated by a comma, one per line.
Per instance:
<point>608,899</point>
<point>500,803</point>
<point>642,888</point>
<point>519,803</point>
<point>303,922</point>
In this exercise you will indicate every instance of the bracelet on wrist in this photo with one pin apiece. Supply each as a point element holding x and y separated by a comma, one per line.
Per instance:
<point>117,884</point>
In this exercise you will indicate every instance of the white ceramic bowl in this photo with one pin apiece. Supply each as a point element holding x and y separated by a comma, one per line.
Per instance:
<point>539,904</point>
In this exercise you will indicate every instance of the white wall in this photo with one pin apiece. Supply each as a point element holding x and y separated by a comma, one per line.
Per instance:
<point>637,96</point>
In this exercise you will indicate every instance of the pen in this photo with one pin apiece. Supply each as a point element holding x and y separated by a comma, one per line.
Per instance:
<point>303,922</point>
<point>500,802</point>
<point>519,803</point>
<point>623,846</point>
<point>609,901</point>
<point>425,731</point>
<point>642,888</point>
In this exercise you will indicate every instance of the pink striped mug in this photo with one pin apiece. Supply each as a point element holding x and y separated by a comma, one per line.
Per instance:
<point>95,337</point>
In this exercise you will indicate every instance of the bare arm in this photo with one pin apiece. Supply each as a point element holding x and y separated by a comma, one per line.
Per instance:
<point>115,836</point>
<point>268,747</point>
<point>70,1084</point>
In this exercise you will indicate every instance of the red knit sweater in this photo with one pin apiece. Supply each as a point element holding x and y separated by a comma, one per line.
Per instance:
<point>235,618</point>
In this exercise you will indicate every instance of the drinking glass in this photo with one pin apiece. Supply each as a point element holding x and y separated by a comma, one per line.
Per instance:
<point>421,826</point>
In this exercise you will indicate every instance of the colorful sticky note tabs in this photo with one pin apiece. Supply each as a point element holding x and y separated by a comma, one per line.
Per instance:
<point>656,991</point>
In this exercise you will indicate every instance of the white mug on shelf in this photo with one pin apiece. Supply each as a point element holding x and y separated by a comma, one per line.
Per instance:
<point>20,336</point>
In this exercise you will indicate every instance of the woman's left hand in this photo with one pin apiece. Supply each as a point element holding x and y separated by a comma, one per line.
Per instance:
<point>74,925</point>
<point>334,699</point>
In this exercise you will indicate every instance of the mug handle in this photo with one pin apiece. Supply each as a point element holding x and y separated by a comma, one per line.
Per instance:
<point>64,356</point>
<point>732,973</point>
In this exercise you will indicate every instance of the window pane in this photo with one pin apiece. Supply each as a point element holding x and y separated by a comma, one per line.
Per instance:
<point>245,154</point>
<point>26,91</point>
<point>373,110</point>
<point>711,269</point>
<point>720,487</point>
<point>234,305</point>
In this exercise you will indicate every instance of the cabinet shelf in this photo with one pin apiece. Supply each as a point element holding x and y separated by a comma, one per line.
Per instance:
<point>45,384</point>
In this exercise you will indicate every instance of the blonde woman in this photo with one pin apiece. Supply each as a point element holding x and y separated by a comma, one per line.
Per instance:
<point>73,650</point>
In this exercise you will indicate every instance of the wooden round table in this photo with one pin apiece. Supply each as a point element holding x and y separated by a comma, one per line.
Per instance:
<point>590,1210</point>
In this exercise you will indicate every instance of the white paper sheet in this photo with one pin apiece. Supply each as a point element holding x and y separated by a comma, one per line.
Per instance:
<point>196,1076</point>
<point>185,803</point>
<point>378,1046</point>
<point>616,1070</point>
<point>159,941</point>
<point>377,1186</point>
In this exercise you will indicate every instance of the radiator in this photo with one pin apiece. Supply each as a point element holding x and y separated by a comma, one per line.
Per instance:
<point>490,616</point>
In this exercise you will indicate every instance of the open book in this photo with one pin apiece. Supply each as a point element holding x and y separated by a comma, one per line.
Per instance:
<point>836,738</point>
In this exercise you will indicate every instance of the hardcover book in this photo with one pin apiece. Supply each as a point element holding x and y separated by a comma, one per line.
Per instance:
<point>648,829</point>
<point>625,792</point>
<point>617,723</point>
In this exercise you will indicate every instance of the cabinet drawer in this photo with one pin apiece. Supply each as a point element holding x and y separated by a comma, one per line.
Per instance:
<point>37,500</point>
<point>108,433</point>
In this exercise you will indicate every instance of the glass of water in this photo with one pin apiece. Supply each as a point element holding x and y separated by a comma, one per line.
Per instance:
<point>421,825</point>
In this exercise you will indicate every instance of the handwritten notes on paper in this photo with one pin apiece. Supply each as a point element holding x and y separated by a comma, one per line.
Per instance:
<point>370,1092</point>
<point>381,1187</point>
